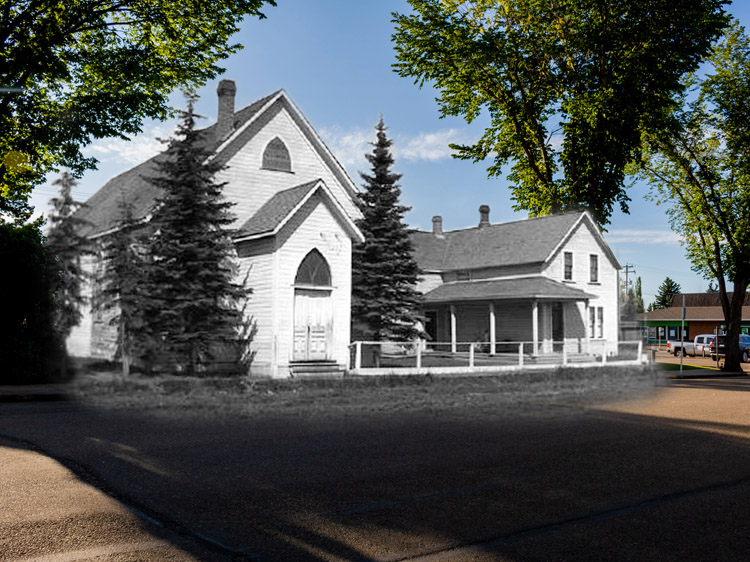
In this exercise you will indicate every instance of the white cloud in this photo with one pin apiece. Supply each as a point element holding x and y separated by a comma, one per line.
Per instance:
<point>349,146</point>
<point>627,236</point>
<point>429,146</point>
<point>138,149</point>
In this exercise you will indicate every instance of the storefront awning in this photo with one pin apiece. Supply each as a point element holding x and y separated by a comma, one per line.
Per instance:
<point>527,288</point>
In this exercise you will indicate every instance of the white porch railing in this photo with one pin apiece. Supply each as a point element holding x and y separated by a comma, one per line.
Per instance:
<point>421,357</point>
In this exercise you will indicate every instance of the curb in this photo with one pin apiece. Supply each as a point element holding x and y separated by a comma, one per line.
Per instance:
<point>36,393</point>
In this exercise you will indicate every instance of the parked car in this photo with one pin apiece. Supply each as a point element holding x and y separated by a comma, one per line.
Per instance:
<point>699,346</point>
<point>718,347</point>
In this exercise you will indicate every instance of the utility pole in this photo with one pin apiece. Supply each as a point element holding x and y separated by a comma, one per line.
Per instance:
<point>629,268</point>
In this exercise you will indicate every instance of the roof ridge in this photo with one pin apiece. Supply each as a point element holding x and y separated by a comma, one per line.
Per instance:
<point>510,222</point>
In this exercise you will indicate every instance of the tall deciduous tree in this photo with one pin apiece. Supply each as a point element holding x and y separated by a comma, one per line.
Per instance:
<point>568,86</point>
<point>79,70</point>
<point>68,248</point>
<point>194,301</point>
<point>384,273</point>
<point>664,294</point>
<point>700,171</point>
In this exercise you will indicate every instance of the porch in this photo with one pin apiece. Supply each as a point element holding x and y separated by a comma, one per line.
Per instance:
<point>550,316</point>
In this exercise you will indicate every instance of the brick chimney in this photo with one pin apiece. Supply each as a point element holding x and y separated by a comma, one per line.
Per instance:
<point>437,226</point>
<point>225,120</point>
<point>484,216</point>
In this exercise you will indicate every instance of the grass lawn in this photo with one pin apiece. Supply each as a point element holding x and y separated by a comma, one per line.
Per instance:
<point>357,395</point>
<point>676,367</point>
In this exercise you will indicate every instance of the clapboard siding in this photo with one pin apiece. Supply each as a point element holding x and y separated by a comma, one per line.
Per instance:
<point>314,227</point>
<point>255,260</point>
<point>584,243</point>
<point>249,186</point>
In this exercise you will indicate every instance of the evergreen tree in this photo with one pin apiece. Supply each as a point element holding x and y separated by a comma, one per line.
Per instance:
<point>122,287</point>
<point>665,293</point>
<point>385,301</point>
<point>638,296</point>
<point>67,246</point>
<point>194,304</point>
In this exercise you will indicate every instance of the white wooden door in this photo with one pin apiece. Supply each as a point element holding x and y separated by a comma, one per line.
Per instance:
<point>313,324</point>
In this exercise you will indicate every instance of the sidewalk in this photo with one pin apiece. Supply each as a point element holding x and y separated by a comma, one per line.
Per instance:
<point>50,515</point>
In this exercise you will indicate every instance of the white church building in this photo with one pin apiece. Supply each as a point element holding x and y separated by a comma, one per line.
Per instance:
<point>295,213</point>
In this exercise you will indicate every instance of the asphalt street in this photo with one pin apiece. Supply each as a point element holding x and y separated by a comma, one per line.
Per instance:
<point>665,477</point>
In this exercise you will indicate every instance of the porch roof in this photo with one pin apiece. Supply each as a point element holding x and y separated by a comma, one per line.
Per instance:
<point>540,288</point>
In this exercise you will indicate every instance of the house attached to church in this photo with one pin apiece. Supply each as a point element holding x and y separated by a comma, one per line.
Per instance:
<point>549,281</point>
<point>295,225</point>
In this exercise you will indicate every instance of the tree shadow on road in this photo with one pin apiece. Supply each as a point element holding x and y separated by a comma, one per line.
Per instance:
<point>519,483</point>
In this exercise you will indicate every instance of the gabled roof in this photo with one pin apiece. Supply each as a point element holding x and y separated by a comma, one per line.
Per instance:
<point>703,299</point>
<point>280,208</point>
<point>541,288</point>
<point>102,210</point>
<point>519,242</point>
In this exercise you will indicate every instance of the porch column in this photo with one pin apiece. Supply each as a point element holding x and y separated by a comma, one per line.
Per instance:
<point>492,328</point>
<point>535,327</point>
<point>453,328</point>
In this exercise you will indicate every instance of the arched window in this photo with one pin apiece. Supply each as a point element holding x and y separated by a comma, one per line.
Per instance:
<point>276,156</point>
<point>313,271</point>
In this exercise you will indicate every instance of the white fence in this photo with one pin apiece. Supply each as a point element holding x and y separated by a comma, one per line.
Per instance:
<point>422,357</point>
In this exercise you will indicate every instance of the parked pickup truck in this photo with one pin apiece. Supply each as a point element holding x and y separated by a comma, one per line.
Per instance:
<point>701,345</point>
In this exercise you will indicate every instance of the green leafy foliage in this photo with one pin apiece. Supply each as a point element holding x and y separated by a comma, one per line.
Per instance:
<point>193,309</point>
<point>568,86</point>
<point>79,70</point>
<point>385,301</point>
<point>698,168</point>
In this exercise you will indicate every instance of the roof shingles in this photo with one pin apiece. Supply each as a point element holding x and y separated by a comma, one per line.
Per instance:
<point>276,209</point>
<point>540,288</point>
<point>102,211</point>
<point>512,243</point>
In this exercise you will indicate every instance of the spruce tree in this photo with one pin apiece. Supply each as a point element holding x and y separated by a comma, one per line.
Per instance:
<point>68,247</point>
<point>194,303</point>
<point>123,290</point>
<point>665,293</point>
<point>385,301</point>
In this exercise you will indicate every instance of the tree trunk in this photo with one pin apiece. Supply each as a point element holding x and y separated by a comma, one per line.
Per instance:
<point>733,318</point>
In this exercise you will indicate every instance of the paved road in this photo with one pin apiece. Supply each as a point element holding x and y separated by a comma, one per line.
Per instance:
<point>662,478</point>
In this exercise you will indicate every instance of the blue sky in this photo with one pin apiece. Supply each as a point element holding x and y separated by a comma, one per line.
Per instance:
<point>333,57</point>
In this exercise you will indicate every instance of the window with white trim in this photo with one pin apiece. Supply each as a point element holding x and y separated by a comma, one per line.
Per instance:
<point>593,268</point>
<point>600,320</point>
<point>592,321</point>
<point>568,267</point>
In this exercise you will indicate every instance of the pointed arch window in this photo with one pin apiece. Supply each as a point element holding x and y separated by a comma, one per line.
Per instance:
<point>313,271</point>
<point>276,156</point>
